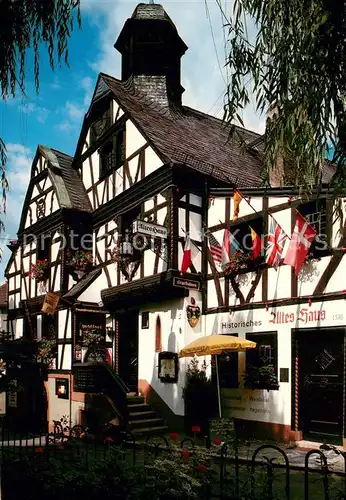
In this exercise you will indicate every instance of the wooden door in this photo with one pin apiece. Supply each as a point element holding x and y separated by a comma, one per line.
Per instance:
<point>320,389</point>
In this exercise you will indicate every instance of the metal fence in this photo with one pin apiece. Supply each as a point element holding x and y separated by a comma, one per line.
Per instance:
<point>265,473</point>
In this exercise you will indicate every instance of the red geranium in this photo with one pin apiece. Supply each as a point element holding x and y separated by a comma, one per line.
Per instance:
<point>196,429</point>
<point>201,468</point>
<point>174,435</point>
<point>186,453</point>
<point>39,449</point>
<point>217,441</point>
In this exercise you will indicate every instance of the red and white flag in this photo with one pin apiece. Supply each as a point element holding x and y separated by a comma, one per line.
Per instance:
<point>187,258</point>
<point>226,248</point>
<point>302,237</point>
<point>275,244</point>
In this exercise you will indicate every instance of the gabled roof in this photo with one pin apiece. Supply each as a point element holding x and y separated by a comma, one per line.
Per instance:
<point>68,186</point>
<point>190,137</point>
<point>185,135</point>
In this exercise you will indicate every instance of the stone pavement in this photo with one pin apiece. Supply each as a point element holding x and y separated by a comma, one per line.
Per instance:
<point>296,454</point>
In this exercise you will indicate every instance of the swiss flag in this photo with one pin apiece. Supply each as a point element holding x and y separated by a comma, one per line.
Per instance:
<point>302,237</point>
<point>187,259</point>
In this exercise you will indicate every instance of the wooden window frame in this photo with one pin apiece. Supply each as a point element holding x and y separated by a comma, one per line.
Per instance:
<point>252,354</point>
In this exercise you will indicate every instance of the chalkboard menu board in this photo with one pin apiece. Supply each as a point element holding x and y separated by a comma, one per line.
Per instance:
<point>90,322</point>
<point>87,379</point>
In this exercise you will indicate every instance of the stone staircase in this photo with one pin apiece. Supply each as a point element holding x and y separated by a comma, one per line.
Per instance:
<point>143,421</point>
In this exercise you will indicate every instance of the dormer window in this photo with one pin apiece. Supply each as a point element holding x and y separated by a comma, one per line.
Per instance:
<point>41,208</point>
<point>112,153</point>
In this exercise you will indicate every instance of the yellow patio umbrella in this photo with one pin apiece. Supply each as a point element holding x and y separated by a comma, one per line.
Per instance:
<point>216,344</point>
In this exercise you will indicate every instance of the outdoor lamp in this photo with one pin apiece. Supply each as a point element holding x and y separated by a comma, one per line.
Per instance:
<point>126,249</point>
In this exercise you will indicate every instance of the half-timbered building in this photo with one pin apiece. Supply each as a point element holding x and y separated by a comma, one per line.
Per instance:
<point>148,175</point>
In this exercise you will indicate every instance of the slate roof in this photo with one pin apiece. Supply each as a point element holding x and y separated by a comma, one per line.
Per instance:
<point>4,295</point>
<point>198,140</point>
<point>77,193</point>
<point>190,137</point>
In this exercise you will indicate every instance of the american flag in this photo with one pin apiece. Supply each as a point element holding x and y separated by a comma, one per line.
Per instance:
<point>215,248</point>
<point>276,242</point>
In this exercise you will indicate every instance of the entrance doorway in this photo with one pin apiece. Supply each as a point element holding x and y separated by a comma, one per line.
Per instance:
<point>319,384</point>
<point>128,349</point>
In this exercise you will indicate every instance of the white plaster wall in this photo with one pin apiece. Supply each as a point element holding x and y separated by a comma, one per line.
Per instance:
<point>19,328</point>
<point>260,405</point>
<point>93,292</point>
<point>62,315</point>
<point>176,333</point>
<point>152,161</point>
<point>59,407</point>
<point>134,139</point>
<point>65,353</point>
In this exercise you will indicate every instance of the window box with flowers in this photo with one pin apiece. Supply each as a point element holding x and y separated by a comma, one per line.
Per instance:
<point>240,261</point>
<point>263,377</point>
<point>40,270</point>
<point>80,263</point>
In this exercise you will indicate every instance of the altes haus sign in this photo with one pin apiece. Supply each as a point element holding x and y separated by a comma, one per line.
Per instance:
<point>303,316</point>
<point>150,229</point>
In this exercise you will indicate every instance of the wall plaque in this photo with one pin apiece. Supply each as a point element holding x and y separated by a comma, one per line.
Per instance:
<point>62,388</point>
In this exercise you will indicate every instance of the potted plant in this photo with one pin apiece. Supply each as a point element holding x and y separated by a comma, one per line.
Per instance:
<point>261,377</point>
<point>39,271</point>
<point>200,397</point>
<point>81,262</point>
<point>46,350</point>
<point>239,261</point>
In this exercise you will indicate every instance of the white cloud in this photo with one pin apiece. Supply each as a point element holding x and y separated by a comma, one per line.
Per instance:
<point>87,84</point>
<point>40,112</point>
<point>65,126</point>
<point>74,112</point>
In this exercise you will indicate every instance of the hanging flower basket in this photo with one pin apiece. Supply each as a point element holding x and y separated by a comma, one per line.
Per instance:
<point>238,262</point>
<point>39,271</point>
<point>311,258</point>
<point>81,262</point>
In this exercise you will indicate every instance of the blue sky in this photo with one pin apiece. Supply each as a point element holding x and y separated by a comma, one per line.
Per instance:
<point>53,118</point>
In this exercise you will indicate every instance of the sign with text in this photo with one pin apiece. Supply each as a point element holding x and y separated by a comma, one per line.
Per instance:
<point>303,316</point>
<point>90,323</point>
<point>186,283</point>
<point>50,303</point>
<point>149,229</point>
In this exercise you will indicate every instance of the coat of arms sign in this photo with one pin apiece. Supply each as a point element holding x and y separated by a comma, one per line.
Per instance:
<point>193,313</point>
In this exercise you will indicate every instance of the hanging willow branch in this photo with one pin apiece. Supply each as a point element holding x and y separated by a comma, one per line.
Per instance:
<point>296,61</point>
<point>30,25</point>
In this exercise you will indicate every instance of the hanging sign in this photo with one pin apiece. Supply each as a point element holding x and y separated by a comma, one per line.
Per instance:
<point>50,303</point>
<point>150,229</point>
<point>90,323</point>
<point>185,283</point>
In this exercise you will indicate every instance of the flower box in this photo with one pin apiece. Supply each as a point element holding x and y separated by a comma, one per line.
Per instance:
<point>40,270</point>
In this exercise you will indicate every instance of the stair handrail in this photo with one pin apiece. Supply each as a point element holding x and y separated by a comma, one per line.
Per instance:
<point>118,379</point>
